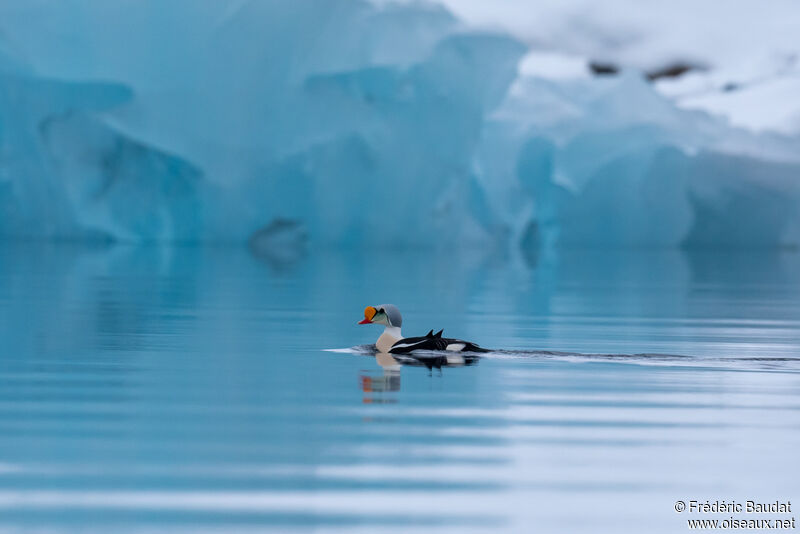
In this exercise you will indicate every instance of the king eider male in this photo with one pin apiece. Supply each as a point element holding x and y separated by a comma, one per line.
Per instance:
<point>393,341</point>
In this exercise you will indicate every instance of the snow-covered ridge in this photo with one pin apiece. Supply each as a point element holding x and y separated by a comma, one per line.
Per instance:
<point>347,122</point>
<point>744,54</point>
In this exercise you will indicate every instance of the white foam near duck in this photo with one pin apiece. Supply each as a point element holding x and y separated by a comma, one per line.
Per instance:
<point>392,340</point>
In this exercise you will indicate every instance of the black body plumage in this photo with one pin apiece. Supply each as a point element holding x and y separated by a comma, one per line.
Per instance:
<point>432,341</point>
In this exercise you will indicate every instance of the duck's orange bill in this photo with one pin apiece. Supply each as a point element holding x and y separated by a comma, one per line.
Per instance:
<point>369,313</point>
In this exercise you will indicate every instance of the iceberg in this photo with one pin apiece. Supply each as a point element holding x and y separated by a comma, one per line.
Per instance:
<point>611,162</point>
<point>351,123</point>
<point>34,201</point>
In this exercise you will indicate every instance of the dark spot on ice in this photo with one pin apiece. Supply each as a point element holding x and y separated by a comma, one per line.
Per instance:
<point>672,70</point>
<point>530,243</point>
<point>600,68</point>
<point>279,243</point>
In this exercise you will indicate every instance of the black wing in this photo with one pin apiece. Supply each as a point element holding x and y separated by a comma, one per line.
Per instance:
<point>432,341</point>
<point>428,342</point>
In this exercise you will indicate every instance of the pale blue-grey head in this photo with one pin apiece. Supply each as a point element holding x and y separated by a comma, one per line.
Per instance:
<point>385,314</point>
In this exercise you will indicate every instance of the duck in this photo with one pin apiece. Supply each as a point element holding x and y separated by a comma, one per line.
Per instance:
<point>392,341</point>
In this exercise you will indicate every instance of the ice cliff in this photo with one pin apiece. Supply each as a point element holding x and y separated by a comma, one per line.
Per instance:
<point>351,123</point>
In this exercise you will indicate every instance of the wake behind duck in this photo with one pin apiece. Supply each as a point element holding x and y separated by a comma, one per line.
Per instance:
<point>434,350</point>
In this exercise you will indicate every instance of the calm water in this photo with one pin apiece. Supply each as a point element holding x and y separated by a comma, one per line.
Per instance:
<point>188,390</point>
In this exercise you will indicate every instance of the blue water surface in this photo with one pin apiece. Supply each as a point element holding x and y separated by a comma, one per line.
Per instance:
<point>183,389</point>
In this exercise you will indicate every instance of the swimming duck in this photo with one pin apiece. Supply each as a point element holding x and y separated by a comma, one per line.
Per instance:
<point>392,340</point>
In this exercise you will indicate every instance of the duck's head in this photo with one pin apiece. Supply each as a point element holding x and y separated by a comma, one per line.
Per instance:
<point>385,314</point>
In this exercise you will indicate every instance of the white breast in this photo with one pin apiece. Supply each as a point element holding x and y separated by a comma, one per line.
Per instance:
<point>386,341</point>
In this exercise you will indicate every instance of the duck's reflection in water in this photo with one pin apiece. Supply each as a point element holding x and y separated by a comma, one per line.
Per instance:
<point>387,381</point>
<point>389,378</point>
